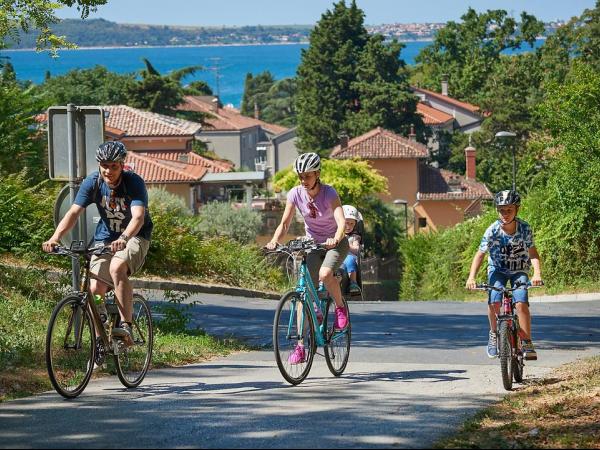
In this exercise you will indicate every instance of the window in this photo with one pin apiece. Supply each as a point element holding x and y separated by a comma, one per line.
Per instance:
<point>422,222</point>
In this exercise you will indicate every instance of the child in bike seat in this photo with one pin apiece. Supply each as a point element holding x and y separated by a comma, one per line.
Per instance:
<point>512,253</point>
<point>350,264</point>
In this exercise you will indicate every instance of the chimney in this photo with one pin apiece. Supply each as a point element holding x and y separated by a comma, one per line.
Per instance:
<point>256,111</point>
<point>470,159</point>
<point>343,137</point>
<point>412,136</point>
<point>214,107</point>
<point>445,85</point>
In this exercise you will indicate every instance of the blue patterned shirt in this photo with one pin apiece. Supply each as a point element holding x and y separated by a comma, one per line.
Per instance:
<point>509,254</point>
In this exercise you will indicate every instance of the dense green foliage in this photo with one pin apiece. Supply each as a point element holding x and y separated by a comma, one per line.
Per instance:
<point>223,219</point>
<point>25,15</point>
<point>272,100</point>
<point>349,82</point>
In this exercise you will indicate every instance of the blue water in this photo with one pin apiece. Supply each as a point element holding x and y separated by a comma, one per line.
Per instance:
<point>233,62</point>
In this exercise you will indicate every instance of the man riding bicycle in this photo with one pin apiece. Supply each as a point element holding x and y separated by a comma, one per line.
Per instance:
<point>125,225</point>
<point>324,222</point>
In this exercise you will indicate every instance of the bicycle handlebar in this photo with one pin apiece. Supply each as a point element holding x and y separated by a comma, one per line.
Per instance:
<point>297,246</point>
<point>82,250</point>
<point>488,287</point>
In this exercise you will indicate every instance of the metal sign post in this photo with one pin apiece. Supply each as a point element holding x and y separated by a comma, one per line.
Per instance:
<point>74,134</point>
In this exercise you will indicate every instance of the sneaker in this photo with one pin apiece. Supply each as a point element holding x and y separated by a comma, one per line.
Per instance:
<point>492,347</point>
<point>341,318</point>
<point>123,331</point>
<point>100,355</point>
<point>354,288</point>
<point>298,356</point>
<point>528,350</point>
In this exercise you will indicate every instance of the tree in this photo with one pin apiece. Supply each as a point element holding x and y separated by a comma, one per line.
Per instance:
<point>96,86</point>
<point>22,146</point>
<point>256,89</point>
<point>279,105</point>
<point>159,93</point>
<point>384,94</point>
<point>325,76</point>
<point>468,52</point>
<point>16,15</point>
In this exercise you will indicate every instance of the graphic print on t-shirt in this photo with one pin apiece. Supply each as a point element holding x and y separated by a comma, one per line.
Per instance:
<point>115,208</point>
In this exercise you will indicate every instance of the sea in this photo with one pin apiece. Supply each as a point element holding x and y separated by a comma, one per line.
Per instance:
<point>225,67</point>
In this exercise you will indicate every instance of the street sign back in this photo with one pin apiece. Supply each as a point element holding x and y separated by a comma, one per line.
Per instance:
<point>89,134</point>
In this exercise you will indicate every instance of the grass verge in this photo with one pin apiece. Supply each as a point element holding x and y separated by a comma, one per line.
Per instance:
<point>561,411</point>
<point>26,302</point>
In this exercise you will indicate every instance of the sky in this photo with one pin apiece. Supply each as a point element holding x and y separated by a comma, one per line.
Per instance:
<point>308,12</point>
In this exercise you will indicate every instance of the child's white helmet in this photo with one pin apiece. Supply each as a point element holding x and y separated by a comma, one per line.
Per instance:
<point>350,212</point>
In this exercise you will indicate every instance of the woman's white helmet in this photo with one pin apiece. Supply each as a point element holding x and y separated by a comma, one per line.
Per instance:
<point>350,212</point>
<point>307,162</point>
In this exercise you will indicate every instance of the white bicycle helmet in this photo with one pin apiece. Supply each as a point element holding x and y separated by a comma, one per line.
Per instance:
<point>350,212</point>
<point>307,162</point>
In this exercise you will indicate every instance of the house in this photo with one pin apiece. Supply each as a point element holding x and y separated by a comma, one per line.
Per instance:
<point>248,142</point>
<point>438,198</point>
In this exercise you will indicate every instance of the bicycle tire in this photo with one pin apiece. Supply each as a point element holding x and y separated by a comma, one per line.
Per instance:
<point>70,349</point>
<point>517,359</point>
<point>337,343</point>
<point>505,354</point>
<point>132,363</point>
<point>286,337</point>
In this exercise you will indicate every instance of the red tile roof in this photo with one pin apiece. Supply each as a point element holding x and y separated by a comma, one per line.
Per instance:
<point>447,99</point>
<point>227,118</point>
<point>436,184</point>
<point>188,157</point>
<point>162,171</point>
<point>432,116</point>
<point>380,144</point>
<point>135,122</point>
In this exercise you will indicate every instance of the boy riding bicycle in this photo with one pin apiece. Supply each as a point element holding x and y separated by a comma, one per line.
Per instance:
<point>509,241</point>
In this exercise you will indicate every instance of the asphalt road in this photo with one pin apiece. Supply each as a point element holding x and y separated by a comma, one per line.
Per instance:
<point>416,371</point>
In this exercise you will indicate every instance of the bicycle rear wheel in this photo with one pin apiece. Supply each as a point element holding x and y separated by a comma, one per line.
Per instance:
<point>505,354</point>
<point>70,347</point>
<point>132,362</point>
<point>293,326</point>
<point>337,346</point>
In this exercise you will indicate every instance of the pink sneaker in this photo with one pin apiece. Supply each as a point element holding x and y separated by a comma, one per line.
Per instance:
<point>341,318</point>
<point>298,356</point>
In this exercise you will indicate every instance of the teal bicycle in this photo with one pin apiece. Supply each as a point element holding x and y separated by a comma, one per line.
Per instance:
<point>305,316</point>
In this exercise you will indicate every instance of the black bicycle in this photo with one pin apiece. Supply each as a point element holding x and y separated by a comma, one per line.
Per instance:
<point>78,339</point>
<point>510,352</point>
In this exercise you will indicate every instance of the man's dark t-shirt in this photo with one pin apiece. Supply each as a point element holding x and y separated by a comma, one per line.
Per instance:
<point>115,206</point>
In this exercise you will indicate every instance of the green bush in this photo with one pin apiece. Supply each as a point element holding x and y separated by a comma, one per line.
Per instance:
<point>436,265</point>
<point>223,219</point>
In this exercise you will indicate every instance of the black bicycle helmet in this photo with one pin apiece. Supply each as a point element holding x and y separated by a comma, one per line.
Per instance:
<point>504,198</point>
<point>112,151</point>
<point>307,162</point>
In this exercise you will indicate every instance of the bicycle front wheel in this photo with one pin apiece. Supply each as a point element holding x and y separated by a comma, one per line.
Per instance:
<point>337,346</point>
<point>70,347</point>
<point>293,338</point>
<point>133,362</point>
<point>517,359</point>
<point>505,354</point>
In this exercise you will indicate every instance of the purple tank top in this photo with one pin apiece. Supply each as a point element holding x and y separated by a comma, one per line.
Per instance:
<point>319,222</point>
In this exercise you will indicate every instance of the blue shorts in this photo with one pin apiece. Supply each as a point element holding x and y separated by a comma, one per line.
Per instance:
<point>350,264</point>
<point>499,279</point>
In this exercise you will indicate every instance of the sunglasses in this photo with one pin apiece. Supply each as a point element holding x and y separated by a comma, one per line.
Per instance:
<point>313,210</point>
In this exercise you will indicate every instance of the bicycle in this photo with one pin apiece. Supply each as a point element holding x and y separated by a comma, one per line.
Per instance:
<point>306,316</point>
<point>77,339</point>
<point>512,360</point>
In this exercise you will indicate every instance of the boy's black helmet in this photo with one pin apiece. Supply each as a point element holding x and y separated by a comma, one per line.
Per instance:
<point>112,151</point>
<point>504,198</point>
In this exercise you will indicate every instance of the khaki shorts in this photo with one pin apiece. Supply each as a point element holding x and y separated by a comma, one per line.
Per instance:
<point>331,258</point>
<point>134,254</point>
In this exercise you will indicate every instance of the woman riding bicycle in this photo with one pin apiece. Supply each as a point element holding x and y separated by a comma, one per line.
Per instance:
<point>324,222</point>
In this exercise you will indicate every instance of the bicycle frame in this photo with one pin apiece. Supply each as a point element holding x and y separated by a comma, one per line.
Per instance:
<point>508,314</point>
<point>306,288</point>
